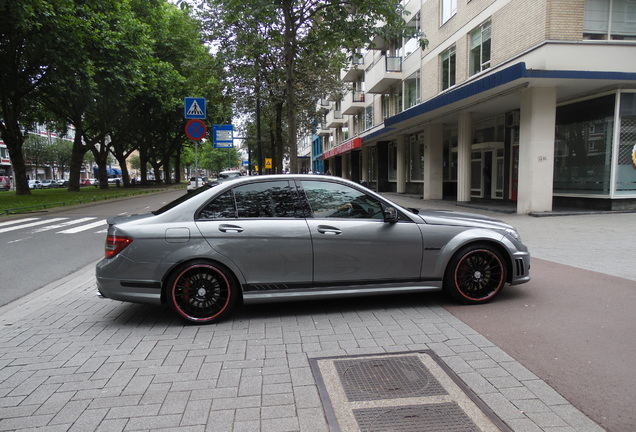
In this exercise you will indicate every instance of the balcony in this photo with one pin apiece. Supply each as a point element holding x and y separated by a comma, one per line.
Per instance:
<point>384,74</point>
<point>335,119</point>
<point>353,103</point>
<point>322,129</point>
<point>354,70</point>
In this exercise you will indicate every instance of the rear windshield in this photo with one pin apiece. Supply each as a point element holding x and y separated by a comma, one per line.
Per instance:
<point>184,198</point>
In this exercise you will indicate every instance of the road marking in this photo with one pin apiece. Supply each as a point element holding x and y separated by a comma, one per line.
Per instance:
<point>64,224</point>
<point>29,225</point>
<point>83,227</point>
<point>13,222</point>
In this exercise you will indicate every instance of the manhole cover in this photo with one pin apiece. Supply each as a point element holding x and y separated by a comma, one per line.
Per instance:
<point>382,378</point>
<point>447,417</point>
<point>401,392</point>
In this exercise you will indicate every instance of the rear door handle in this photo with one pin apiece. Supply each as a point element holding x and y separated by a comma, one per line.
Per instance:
<point>328,230</point>
<point>230,228</point>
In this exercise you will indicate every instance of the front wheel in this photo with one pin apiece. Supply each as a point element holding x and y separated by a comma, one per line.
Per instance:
<point>202,292</point>
<point>475,274</point>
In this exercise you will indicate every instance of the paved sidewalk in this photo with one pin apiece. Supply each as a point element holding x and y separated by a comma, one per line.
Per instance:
<point>72,362</point>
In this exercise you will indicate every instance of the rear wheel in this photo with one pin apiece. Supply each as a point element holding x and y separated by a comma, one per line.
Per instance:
<point>475,274</point>
<point>202,292</point>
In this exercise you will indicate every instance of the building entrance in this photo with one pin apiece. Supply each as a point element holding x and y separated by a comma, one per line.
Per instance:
<point>487,171</point>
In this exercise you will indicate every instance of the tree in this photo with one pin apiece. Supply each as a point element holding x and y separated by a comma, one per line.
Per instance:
<point>300,30</point>
<point>33,42</point>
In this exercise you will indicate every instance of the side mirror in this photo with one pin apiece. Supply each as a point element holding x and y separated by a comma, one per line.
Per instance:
<point>390,215</point>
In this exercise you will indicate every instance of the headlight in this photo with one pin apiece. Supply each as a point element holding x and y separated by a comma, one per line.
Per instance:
<point>513,233</point>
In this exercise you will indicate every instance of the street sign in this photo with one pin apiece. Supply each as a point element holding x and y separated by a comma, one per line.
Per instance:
<point>194,108</point>
<point>268,163</point>
<point>223,136</point>
<point>195,130</point>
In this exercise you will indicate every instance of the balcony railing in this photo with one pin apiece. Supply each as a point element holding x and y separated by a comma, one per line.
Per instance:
<point>383,74</point>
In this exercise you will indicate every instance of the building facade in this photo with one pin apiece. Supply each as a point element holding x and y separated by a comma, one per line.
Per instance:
<point>532,102</point>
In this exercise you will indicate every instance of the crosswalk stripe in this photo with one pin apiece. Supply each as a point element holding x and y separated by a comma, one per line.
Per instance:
<point>29,225</point>
<point>83,227</point>
<point>64,224</point>
<point>13,222</point>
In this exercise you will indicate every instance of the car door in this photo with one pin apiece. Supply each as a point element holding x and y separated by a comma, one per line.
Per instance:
<point>259,227</point>
<point>353,243</point>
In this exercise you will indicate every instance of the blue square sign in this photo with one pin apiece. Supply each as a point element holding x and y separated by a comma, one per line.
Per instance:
<point>194,108</point>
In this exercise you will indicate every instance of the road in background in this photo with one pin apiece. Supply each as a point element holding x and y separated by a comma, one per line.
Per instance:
<point>41,247</point>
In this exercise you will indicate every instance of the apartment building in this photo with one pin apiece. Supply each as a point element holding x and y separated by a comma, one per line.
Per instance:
<point>526,101</point>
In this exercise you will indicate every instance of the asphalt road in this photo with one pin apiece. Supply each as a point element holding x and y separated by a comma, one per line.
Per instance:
<point>42,247</point>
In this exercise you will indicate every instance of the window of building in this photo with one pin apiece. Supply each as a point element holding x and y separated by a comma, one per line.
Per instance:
<point>610,19</point>
<point>412,90</point>
<point>412,44</point>
<point>626,170</point>
<point>398,101</point>
<point>583,146</point>
<point>449,8</point>
<point>448,68</point>
<point>480,48</point>
<point>368,117</point>
<point>386,106</point>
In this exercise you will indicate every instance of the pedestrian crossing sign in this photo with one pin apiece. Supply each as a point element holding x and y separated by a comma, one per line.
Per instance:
<point>194,108</point>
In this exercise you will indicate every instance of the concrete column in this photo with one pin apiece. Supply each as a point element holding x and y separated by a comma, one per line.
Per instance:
<point>464,147</point>
<point>401,164</point>
<point>536,149</point>
<point>364,169</point>
<point>433,162</point>
<point>345,165</point>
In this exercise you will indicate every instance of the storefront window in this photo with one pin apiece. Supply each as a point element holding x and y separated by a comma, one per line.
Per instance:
<point>626,171</point>
<point>393,161</point>
<point>450,153</point>
<point>416,149</point>
<point>583,147</point>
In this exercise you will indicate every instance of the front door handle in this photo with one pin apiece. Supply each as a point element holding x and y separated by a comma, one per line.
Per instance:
<point>329,230</point>
<point>230,228</point>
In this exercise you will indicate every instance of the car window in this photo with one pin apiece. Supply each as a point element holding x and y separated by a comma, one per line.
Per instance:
<point>265,199</point>
<point>221,207</point>
<point>254,200</point>
<point>333,200</point>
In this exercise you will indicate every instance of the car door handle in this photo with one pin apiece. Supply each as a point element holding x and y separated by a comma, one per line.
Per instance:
<point>230,228</point>
<point>324,229</point>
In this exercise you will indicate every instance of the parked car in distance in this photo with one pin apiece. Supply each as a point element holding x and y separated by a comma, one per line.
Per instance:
<point>5,183</point>
<point>228,175</point>
<point>285,237</point>
<point>61,182</point>
<point>48,183</point>
<point>115,181</point>
<point>89,182</point>
<point>35,184</point>
<point>193,184</point>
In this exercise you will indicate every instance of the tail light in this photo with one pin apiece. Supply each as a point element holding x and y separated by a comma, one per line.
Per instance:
<point>116,244</point>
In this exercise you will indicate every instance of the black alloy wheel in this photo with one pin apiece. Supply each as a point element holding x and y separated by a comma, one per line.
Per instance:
<point>202,292</point>
<point>475,274</point>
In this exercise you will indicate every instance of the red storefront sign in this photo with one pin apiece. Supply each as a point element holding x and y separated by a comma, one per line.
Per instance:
<point>348,146</point>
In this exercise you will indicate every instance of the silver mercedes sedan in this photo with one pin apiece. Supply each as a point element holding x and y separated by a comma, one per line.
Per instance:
<point>286,237</point>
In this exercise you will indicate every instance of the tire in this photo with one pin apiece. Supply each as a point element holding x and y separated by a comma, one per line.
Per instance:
<point>202,292</point>
<point>475,274</point>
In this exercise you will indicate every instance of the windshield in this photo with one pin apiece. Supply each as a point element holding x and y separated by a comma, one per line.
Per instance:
<point>183,198</point>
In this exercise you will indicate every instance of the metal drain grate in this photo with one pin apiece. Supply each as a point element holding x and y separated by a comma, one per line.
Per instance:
<point>448,417</point>
<point>386,378</point>
<point>402,392</point>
